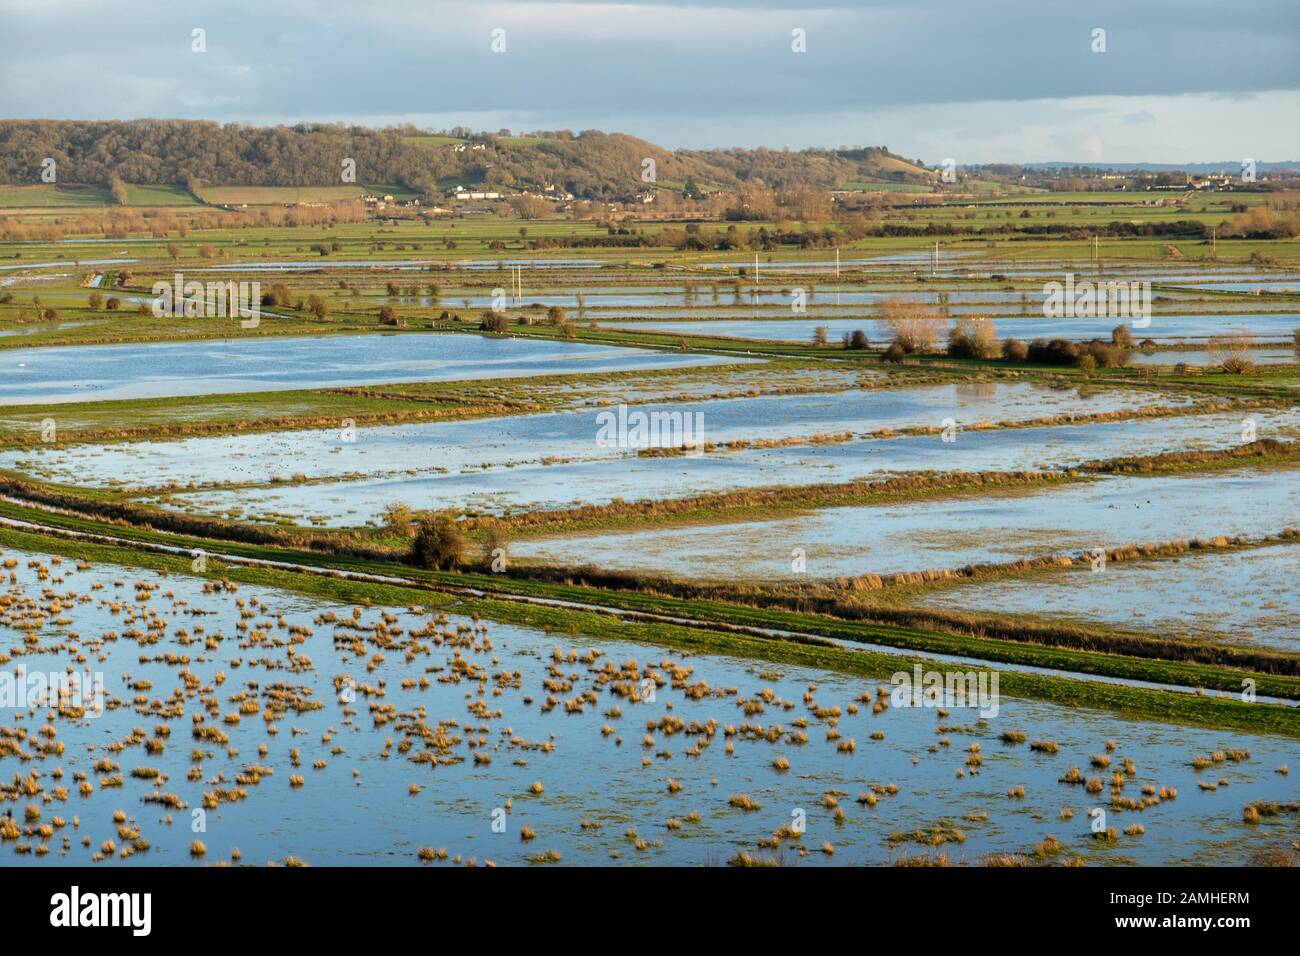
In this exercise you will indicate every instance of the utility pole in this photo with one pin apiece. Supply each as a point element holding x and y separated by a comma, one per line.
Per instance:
<point>837,262</point>
<point>934,267</point>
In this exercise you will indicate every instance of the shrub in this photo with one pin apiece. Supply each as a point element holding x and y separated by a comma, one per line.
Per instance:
<point>388,316</point>
<point>857,339</point>
<point>439,542</point>
<point>492,539</point>
<point>1122,337</point>
<point>1087,364</point>
<point>497,322</point>
<point>894,354</point>
<point>555,315</point>
<point>1104,354</point>
<point>1055,352</point>
<point>1015,350</point>
<point>399,519</point>
<point>113,304</point>
<point>973,338</point>
<point>821,335</point>
<point>278,295</point>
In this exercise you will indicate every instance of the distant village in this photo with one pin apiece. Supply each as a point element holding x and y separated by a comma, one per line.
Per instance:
<point>465,194</point>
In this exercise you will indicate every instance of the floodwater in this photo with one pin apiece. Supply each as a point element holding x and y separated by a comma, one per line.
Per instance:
<point>259,364</point>
<point>952,533</point>
<point>34,328</point>
<point>358,743</point>
<point>67,262</point>
<point>528,486</point>
<point>1281,356</point>
<point>528,439</point>
<point>1267,327</point>
<point>408,265</point>
<point>1237,597</point>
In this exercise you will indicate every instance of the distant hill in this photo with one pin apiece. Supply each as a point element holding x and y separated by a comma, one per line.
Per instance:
<point>591,164</point>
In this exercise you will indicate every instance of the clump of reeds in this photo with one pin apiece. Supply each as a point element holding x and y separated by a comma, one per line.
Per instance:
<point>744,859</point>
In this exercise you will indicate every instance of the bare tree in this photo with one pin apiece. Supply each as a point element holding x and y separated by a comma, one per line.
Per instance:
<point>914,326</point>
<point>1232,352</point>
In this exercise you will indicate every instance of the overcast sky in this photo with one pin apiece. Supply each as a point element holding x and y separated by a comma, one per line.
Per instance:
<point>976,80</point>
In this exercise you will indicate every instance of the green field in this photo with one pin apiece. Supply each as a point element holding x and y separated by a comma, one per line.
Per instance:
<point>887,187</point>
<point>160,196</point>
<point>35,197</point>
<point>32,197</point>
<point>278,195</point>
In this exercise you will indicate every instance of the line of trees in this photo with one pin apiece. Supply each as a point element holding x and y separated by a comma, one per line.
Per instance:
<point>591,164</point>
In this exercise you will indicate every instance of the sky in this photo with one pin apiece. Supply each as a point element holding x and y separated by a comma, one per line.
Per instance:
<point>977,81</point>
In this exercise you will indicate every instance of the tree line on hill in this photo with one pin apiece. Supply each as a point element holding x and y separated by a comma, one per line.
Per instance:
<point>590,164</point>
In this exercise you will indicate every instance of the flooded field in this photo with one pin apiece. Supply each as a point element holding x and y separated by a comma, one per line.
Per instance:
<point>385,486</point>
<point>1239,597</point>
<point>163,369</point>
<point>410,450</point>
<point>255,725</point>
<point>914,536</point>
<point>523,486</point>
<point>1262,327</point>
<point>1279,356</point>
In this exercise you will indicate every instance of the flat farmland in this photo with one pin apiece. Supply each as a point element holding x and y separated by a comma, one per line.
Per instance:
<point>458,458</point>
